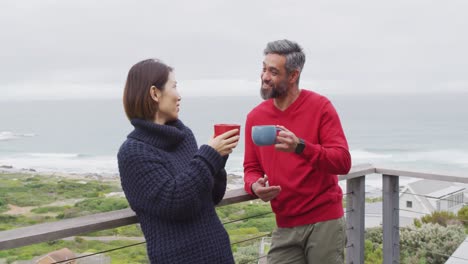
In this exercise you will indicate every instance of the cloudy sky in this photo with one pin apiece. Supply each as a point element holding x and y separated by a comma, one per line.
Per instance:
<point>80,49</point>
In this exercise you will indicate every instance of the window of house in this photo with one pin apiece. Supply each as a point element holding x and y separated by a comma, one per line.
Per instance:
<point>409,204</point>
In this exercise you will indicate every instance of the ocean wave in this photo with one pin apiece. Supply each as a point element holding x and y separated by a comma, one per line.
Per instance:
<point>451,157</point>
<point>391,149</point>
<point>61,162</point>
<point>436,158</point>
<point>444,156</point>
<point>365,155</point>
<point>7,135</point>
<point>455,159</point>
<point>235,164</point>
<point>55,155</point>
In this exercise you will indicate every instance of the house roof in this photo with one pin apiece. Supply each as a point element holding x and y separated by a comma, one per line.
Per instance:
<point>429,191</point>
<point>446,191</point>
<point>425,187</point>
<point>60,255</point>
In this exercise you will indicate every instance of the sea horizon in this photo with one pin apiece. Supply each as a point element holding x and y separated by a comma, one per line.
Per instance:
<point>417,131</point>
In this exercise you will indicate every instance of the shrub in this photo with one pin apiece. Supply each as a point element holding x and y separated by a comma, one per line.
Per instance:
<point>463,215</point>
<point>440,217</point>
<point>70,213</point>
<point>245,255</point>
<point>374,235</point>
<point>49,209</point>
<point>3,205</point>
<point>373,252</point>
<point>243,231</point>
<point>97,205</point>
<point>266,224</point>
<point>430,241</point>
<point>130,230</point>
<point>8,218</point>
<point>417,223</point>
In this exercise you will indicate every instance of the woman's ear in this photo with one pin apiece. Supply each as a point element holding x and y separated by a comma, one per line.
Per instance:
<point>155,93</point>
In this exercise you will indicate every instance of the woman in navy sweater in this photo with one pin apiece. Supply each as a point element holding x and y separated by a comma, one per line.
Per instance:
<point>170,183</point>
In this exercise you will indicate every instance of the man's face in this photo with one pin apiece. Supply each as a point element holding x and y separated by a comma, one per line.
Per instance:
<point>274,77</point>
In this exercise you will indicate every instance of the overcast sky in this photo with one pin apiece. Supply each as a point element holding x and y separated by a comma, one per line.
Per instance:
<point>63,49</point>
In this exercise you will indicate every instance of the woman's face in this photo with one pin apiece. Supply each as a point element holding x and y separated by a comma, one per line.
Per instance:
<point>168,102</point>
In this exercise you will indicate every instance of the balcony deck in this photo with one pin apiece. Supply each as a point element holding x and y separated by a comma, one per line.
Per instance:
<point>355,215</point>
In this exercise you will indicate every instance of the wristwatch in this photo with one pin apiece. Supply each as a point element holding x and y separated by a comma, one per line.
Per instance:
<point>300,146</point>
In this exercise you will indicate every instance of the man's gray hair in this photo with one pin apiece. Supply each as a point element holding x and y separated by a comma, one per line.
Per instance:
<point>295,57</point>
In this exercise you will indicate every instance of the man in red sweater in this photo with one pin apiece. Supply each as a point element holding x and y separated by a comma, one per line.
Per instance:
<point>298,175</point>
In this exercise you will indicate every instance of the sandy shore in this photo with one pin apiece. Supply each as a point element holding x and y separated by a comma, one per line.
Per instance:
<point>234,181</point>
<point>4,169</point>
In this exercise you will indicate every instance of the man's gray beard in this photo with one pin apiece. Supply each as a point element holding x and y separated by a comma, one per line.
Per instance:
<point>274,92</point>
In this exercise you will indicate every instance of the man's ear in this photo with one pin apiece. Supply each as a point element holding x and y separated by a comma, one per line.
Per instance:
<point>155,93</point>
<point>293,76</point>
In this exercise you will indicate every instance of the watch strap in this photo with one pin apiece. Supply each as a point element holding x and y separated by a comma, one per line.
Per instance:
<point>300,146</point>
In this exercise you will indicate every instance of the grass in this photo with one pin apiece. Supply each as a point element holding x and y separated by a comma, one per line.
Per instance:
<point>33,190</point>
<point>89,197</point>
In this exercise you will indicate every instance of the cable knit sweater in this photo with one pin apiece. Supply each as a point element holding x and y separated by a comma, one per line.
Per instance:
<point>172,185</point>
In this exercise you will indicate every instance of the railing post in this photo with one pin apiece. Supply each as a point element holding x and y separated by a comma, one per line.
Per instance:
<point>355,202</point>
<point>391,219</point>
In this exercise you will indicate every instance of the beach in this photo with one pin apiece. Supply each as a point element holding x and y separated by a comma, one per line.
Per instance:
<point>64,138</point>
<point>234,181</point>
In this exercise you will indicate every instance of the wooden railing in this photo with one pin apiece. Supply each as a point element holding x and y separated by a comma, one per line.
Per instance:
<point>355,212</point>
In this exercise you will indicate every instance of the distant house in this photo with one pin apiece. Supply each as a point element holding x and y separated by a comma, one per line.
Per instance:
<point>426,196</point>
<point>58,256</point>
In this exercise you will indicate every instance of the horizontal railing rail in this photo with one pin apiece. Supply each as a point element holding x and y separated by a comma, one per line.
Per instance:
<point>422,175</point>
<point>34,234</point>
<point>355,214</point>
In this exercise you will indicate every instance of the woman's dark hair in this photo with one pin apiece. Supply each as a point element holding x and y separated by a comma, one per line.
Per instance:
<point>136,98</point>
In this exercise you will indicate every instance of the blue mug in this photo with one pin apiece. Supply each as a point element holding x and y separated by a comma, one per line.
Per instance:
<point>264,135</point>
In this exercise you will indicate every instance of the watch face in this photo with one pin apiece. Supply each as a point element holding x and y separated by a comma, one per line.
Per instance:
<point>300,147</point>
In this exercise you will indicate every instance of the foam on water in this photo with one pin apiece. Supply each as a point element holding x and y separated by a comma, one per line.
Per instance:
<point>8,135</point>
<point>84,136</point>
<point>62,163</point>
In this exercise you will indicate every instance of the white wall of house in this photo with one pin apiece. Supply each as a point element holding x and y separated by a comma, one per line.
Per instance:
<point>410,202</point>
<point>421,205</point>
<point>451,203</point>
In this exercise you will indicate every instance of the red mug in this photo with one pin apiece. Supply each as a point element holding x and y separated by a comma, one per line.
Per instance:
<point>222,128</point>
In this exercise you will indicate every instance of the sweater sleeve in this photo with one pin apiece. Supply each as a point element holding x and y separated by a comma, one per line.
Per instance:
<point>252,167</point>
<point>219,186</point>
<point>331,154</point>
<point>220,182</point>
<point>152,189</point>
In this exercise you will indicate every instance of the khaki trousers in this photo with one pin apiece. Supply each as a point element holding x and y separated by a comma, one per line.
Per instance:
<point>319,243</point>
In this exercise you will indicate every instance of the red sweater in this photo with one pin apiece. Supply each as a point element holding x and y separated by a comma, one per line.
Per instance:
<point>309,184</point>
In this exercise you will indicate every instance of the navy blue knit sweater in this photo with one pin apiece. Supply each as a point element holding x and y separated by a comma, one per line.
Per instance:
<point>172,185</point>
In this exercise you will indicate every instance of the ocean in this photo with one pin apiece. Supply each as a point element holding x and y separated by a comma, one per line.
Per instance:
<point>427,132</point>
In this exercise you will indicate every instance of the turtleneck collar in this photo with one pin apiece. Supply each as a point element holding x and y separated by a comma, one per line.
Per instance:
<point>161,136</point>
